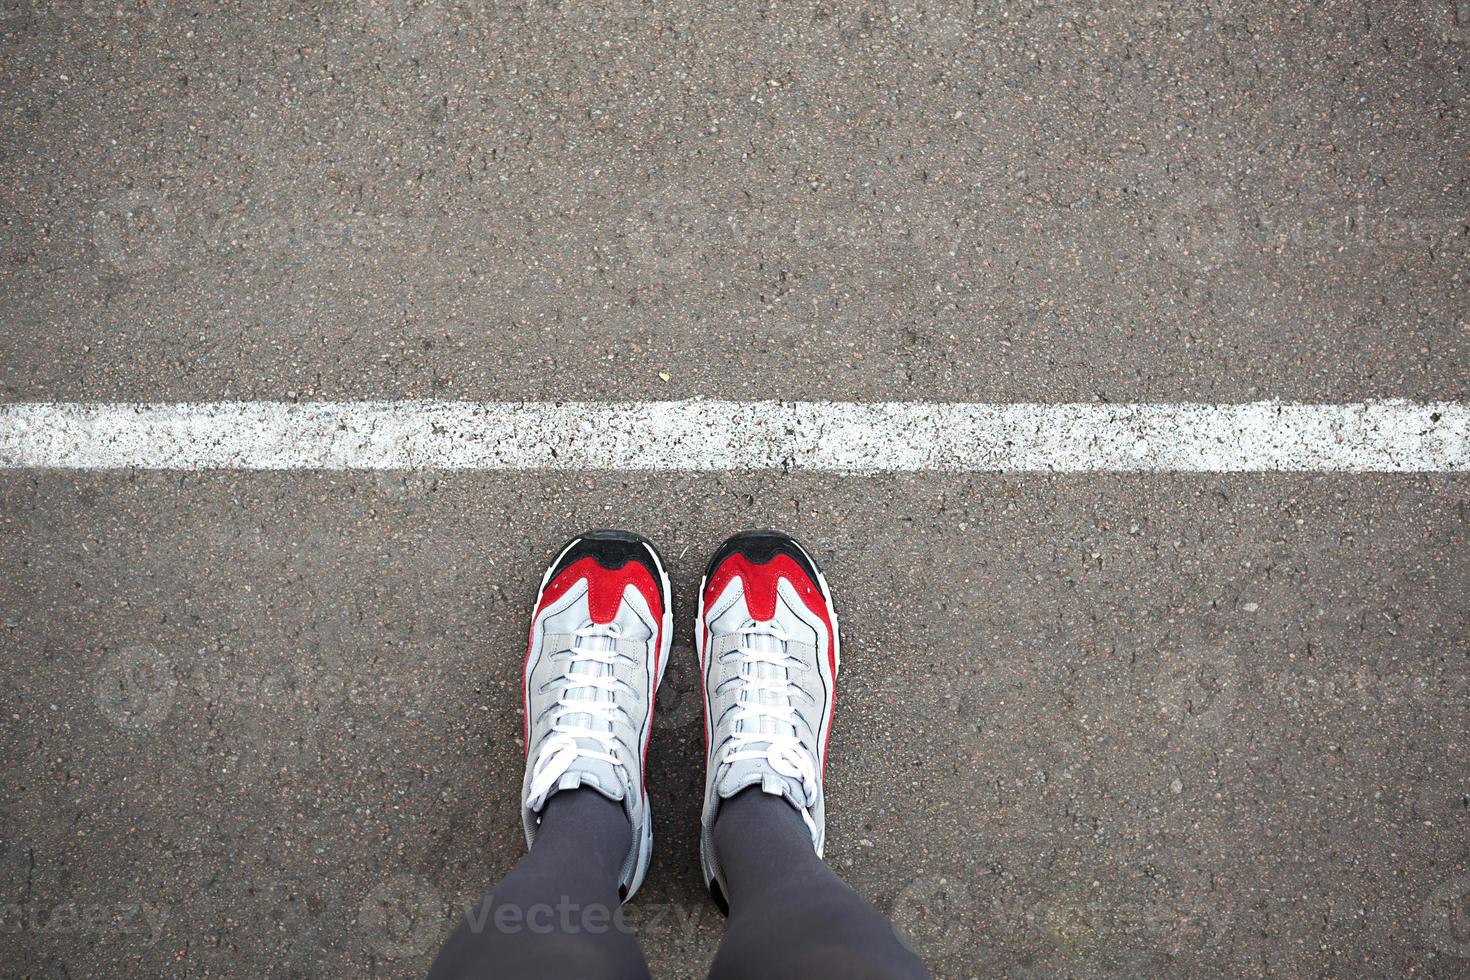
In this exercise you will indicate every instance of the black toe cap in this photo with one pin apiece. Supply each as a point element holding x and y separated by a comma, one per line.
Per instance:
<point>760,547</point>
<point>611,549</point>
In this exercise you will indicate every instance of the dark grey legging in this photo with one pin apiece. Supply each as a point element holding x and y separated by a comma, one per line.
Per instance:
<point>557,913</point>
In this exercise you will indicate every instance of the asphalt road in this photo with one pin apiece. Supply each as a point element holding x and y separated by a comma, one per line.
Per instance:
<point>1097,725</point>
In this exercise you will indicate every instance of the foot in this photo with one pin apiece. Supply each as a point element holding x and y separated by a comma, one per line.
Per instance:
<point>768,654</point>
<point>598,647</point>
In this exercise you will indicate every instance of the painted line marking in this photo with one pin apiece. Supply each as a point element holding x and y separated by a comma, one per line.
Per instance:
<point>850,437</point>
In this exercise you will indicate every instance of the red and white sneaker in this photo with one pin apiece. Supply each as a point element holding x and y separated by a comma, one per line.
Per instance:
<point>598,648</point>
<point>768,655</point>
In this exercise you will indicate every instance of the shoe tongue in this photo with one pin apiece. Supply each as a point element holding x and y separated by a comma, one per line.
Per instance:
<point>761,671</point>
<point>593,774</point>
<point>752,772</point>
<point>596,644</point>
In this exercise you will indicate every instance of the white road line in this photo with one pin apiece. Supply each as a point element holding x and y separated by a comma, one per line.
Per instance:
<point>1380,436</point>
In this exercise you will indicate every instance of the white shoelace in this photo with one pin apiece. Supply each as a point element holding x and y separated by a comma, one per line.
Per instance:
<point>594,646</point>
<point>764,705</point>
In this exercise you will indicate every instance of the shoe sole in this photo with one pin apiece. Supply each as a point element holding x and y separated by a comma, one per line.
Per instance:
<point>645,849</point>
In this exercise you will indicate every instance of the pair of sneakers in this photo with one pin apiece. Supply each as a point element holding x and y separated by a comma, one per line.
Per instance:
<point>766,638</point>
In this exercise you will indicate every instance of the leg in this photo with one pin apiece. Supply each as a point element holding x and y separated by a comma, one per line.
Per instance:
<point>598,643</point>
<point>769,651</point>
<point>790,915</point>
<point>557,914</point>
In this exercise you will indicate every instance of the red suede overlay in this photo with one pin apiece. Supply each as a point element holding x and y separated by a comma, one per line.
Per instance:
<point>605,587</point>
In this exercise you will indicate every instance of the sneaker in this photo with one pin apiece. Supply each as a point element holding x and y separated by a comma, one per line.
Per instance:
<point>768,654</point>
<point>599,644</point>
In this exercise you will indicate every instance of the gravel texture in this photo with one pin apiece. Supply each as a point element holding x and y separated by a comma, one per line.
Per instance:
<point>1095,725</point>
